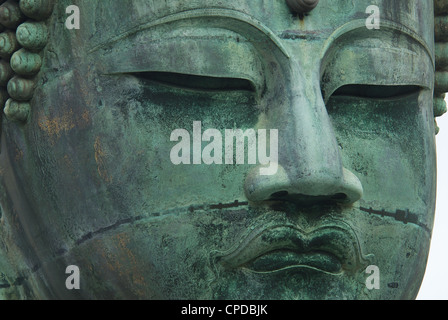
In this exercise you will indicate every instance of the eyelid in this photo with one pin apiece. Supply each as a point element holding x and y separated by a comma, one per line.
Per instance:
<point>193,82</point>
<point>358,57</point>
<point>223,55</point>
<point>377,92</point>
<point>366,67</point>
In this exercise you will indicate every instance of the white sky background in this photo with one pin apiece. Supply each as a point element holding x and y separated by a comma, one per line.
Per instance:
<point>435,283</point>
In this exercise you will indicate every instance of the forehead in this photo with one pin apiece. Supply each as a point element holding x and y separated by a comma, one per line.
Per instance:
<point>108,18</point>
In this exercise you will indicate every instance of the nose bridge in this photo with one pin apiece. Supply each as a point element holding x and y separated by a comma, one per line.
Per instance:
<point>309,161</point>
<point>308,149</point>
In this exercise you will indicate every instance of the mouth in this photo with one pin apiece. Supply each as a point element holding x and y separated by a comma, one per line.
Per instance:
<point>330,249</point>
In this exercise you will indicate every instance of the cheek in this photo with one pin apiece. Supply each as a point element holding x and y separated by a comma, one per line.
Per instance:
<point>390,146</point>
<point>134,121</point>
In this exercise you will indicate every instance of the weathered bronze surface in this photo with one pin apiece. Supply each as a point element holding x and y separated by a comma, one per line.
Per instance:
<point>86,177</point>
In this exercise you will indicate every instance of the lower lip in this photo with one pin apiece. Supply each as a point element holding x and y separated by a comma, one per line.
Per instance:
<point>286,259</point>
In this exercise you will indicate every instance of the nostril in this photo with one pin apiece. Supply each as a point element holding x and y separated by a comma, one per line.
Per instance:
<point>308,200</point>
<point>280,194</point>
<point>340,197</point>
<point>306,190</point>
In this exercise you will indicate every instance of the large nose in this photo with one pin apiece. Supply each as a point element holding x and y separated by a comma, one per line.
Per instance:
<point>310,167</point>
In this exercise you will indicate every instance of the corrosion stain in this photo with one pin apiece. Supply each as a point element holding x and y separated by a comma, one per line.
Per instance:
<point>55,127</point>
<point>302,21</point>
<point>120,260</point>
<point>100,157</point>
<point>123,242</point>
<point>19,155</point>
<point>68,163</point>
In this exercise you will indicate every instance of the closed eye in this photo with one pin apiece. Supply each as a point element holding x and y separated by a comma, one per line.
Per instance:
<point>194,82</point>
<point>376,91</point>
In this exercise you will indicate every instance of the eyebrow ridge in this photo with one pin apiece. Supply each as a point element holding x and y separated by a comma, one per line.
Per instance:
<point>199,13</point>
<point>386,24</point>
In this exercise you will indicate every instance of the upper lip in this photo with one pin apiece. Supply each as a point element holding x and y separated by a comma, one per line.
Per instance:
<point>336,240</point>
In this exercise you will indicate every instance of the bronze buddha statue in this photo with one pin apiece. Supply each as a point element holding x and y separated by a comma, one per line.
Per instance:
<point>86,176</point>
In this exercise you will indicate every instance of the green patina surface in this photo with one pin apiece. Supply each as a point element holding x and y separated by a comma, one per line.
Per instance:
<point>86,177</point>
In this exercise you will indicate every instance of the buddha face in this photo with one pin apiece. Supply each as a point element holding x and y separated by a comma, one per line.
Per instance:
<point>344,111</point>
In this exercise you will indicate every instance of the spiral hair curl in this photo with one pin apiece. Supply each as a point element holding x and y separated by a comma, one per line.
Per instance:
<point>441,55</point>
<point>23,35</point>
